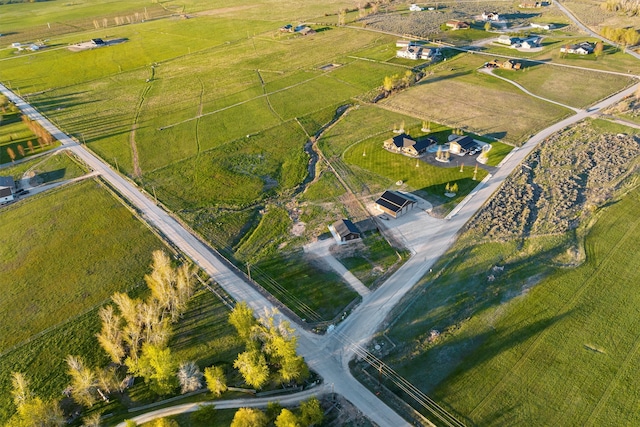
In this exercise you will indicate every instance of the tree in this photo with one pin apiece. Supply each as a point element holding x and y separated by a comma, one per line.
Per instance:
<point>11,153</point>
<point>171,288</point>
<point>311,412</point>
<point>273,410</point>
<point>388,83</point>
<point>242,319</point>
<point>163,422</point>
<point>130,423</point>
<point>598,49</point>
<point>21,150</point>
<point>631,37</point>
<point>83,382</point>
<point>248,417</point>
<point>280,344</point>
<point>287,419</point>
<point>190,377</point>
<point>216,380</point>
<point>342,16</point>
<point>487,26</point>
<point>110,337</point>
<point>157,367</point>
<point>31,410</point>
<point>29,144</point>
<point>92,420</point>
<point>253,367</point>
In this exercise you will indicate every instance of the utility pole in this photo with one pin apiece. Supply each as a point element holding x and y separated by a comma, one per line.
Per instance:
<point>116,160</point>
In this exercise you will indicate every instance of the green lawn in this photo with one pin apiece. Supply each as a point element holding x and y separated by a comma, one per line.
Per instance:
<point>537,345</point>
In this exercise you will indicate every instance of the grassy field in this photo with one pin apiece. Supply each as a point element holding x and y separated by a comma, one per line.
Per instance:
<point>43,248</point>
<point>567,85</point>
<point>514,115</point>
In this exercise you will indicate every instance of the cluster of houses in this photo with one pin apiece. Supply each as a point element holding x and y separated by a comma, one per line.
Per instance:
<point>584,48</point>
<point>518,42</point>
<point>414,50</point>
<point>408,146</point>
<point>32,46</point>
<point>304,30</point>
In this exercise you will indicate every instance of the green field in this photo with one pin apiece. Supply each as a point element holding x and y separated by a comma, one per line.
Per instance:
<point>514,115</point>
<point>577,88</point>
<point>537,345</point>
<point>54,275</point>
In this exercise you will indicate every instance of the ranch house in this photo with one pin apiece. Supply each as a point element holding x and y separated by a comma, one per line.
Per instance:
<point>457,25</point>
<point>408,146</point>
<point>584,48</point>
<point>394,204</point>
<point>490,16</point>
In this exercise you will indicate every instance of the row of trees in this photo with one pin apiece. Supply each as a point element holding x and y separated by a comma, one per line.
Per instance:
<point>270,346</point>
<point>625,36</point>
<point>397,82</point>
<point>631,7</point>
<point>309,414</point>
<point>44,137</point>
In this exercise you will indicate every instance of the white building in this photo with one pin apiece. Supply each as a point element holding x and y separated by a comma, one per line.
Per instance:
<point>415,8</point>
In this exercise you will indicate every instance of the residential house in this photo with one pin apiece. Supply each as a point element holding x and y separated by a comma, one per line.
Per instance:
<point>430,53</point>
<point>510,64</point>
<point>406,145</point>
<point>344,231</point>
<point>490,16</point>
<point>457,25</point>
<point>403,43</point>
<point>542,26</point>
<point>6,195</point>
<point>394,204</point>
<point>508,40</point>
<point>415,8</point>
<point>410,52</point>
<point>98,42</point>
<point>461,144</point>
<point>531,42</point>
<point>584,48</point>
<point>306,31</point>
<point>287,28</point>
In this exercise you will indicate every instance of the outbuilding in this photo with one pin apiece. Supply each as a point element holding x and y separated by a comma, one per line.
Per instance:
<point>344,231</point>
<point>6,195</point>
<point>394,204</point>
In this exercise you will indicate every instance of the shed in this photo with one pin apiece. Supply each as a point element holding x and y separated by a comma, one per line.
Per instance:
<point>344,231</point>
<point>394,204</point>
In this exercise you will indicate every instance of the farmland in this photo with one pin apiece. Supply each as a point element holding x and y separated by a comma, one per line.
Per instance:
<point>510,333</point>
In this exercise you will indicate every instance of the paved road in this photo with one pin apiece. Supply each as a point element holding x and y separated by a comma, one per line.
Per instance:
<point>328,355</point>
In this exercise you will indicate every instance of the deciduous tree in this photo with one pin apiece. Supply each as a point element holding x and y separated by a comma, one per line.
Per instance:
<point>157,367</point>
<point>83,382</point>
<point>311,412</point>
<point>190,377</point>
<point>253,367</point>
<point>216,380</point>
<point>249,417</point>
<point>242,319</point>
<point>287,419</point>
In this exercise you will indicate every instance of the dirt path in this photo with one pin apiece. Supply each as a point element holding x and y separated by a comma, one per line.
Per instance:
<point>137,172</point>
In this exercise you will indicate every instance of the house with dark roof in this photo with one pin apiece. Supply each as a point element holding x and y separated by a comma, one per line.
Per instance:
<point>344,231</point>
<point>98,42</point>
<point>584,48</point>
<point>6,195</point>
<point>461,144</point>
<point>394,204</point>
<point>7,181</point>
<point>408,146</point>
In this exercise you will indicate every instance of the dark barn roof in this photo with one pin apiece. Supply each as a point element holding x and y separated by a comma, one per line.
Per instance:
<point>393,201</point>
<point>344,227</point>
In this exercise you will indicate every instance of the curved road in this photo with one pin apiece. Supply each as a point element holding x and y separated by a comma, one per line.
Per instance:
<point>328,355</point>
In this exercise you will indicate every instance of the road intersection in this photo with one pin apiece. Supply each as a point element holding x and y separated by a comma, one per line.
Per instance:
<point>328,355</point>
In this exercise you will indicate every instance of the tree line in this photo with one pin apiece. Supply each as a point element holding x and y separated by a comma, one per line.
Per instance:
<point>135,334</point>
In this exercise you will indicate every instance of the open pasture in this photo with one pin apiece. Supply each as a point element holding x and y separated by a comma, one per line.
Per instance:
<point>482,104</point>
<point>577,88</point>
